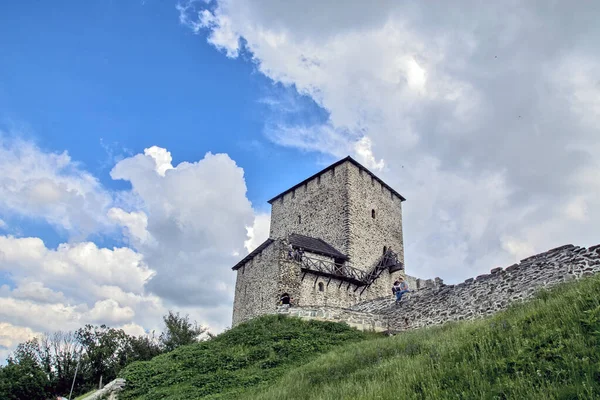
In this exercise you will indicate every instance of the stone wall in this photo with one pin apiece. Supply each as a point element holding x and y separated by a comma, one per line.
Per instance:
<point>322,206</point>
<point>368,235</point>
<point>478,297</point>
<point>359,320</point>
<point>257,285</point>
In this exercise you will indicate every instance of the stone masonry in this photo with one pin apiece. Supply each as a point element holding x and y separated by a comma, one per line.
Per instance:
<point>345,218</point>
<point>486,294</point>
<point>354,213</point>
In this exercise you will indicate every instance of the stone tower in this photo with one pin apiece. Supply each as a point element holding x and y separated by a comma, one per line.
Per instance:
<point>348,224</point>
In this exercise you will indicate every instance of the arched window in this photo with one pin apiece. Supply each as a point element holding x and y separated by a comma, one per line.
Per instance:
<point>285,299</point>
<point>373,213</point>
<point>384,249</point>
<point>299,219</point>
<point>321,287</point>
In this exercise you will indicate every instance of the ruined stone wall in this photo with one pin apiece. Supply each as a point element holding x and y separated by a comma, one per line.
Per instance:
<point>356,319</point>
<point>369,235</point>
<point>322,206</point>
<point>256,286</point>
<point>475,298</point>
<point>337,293</point>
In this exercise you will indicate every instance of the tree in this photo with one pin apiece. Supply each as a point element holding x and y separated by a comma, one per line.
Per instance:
<point>64,351</point>
<point>23,379</point>
<point>143,348</point>
<point>179,331</point>
<point>105,352</point>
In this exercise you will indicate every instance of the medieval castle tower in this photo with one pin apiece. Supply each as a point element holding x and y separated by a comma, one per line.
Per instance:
<point>348,223</point>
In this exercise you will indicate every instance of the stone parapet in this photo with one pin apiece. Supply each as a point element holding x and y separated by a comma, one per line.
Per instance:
<point>488,293</point>
<point>356,319</point>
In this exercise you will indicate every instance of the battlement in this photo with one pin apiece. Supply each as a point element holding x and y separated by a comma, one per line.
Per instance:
<point>488,293</point>
<point>349,224</point>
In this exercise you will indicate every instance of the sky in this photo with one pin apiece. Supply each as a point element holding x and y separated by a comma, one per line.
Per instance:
<point>141,140</point>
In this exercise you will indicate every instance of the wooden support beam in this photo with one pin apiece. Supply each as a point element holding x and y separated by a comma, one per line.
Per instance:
<point>303,275</point>
<point>329,280</point>
<point>340,285</point>
<point>316,279</point>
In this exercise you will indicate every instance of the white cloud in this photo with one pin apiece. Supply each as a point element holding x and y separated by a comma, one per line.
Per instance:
<point>488,128</point>
<point>50,186</point>
<point>59,289</point>
<point>197,214</point>
<point>135,223</point>
<point>110,310</point>
<point>162,158</point>
<point>183,223</point>
<point>35,291</point>
<point>258,232</point>
<point>184,227</point>
<point>11,336</point>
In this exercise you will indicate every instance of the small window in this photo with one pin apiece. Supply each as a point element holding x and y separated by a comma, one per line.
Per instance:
<point>321,287</point>
<point>373,213</point>
<point>299,219</point>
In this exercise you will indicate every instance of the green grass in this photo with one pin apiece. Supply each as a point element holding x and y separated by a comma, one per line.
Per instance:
<point>83,396</point>
<point>545,349</point>
<point>252,354</point>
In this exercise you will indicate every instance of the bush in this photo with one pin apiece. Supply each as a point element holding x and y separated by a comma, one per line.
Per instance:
<point>251,354</point>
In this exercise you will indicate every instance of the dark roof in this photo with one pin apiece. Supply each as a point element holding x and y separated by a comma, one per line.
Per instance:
<point>250,256</point>
<point>332,166</point>
<point>314,245</point>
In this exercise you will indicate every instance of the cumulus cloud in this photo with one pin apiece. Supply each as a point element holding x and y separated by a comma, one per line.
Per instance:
<point>258,232</point>
<point>185,226</point>
<point>11,336</point>
<point>50,187</point>
<point>197,216</point>
<point>488,126</point>
<point>73,284</point>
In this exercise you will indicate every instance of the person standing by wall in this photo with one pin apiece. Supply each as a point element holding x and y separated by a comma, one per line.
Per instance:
<point>401,288</point>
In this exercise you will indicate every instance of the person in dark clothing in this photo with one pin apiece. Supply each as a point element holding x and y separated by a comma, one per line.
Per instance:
<point>285,299</point>
<point>400,289</point>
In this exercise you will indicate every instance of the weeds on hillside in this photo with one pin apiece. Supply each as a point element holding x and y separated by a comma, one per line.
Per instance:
<point>254,353</point>
<point>547,348</point>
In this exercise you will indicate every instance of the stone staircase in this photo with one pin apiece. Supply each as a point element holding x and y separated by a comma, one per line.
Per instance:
<point>375,306</point>
<point>389,260</point>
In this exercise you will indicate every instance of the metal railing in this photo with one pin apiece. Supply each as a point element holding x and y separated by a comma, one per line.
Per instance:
<point>333,269</point>
<point>345,271</point>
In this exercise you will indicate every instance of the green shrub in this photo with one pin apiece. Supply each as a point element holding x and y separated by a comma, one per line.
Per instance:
<point>545,349</point>
<point>548,348</point>
<point>251,354</point>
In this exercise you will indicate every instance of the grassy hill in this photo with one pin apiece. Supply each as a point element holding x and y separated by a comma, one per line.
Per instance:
<point>250,355</point>
<point>548,348</point>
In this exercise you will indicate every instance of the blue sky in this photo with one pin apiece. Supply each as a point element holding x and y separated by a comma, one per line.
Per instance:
<point>488,126</point>
<point>106,79</point>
